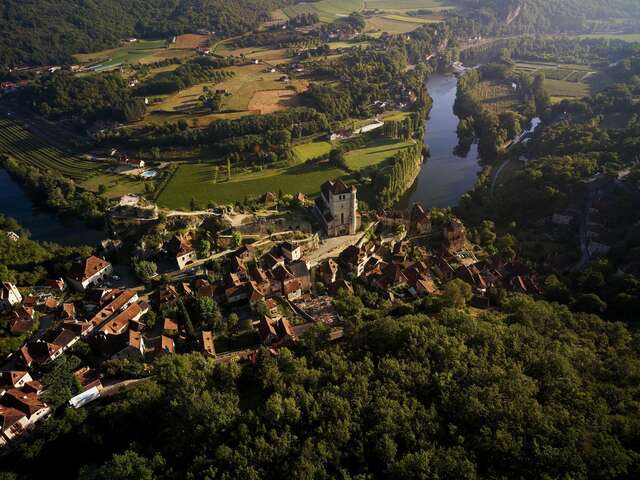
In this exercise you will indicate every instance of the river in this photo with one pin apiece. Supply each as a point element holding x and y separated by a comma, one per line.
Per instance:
<point>46,226</point>
<point>444,177</point>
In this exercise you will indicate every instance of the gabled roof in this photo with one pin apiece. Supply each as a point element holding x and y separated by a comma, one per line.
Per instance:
<point>8,417</point>
<point>12,377</point>
<point>87,268</point>
<point>169,325</point>
<point>27,403</point>
<point>64,338</point>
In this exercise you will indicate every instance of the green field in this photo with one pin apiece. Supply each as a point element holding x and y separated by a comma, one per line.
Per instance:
<point>399,5</point>
<point>29,149</point>
<point>327,10</point>
<point>307,151</point>
<point>627,37</point>
<point>127,54</point>
<point>564,89</point>
<point>194,180</point>
<point>375,154</point>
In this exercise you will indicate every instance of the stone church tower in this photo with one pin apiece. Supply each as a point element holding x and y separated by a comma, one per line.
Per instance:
<point>337,208</point>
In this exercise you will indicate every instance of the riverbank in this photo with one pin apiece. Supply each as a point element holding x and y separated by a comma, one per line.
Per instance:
<point>43,226</point>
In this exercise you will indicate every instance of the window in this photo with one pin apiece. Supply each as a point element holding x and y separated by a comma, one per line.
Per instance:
<point>342,218</point>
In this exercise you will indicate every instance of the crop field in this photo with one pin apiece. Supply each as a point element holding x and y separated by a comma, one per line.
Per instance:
<point>29,149</point>
<point>496,96</point>
<point>389,24</point>
<point>400,5</point>
<point>327,10</point>
<point>375,154</point>
<point>564,89</point>
<point>269,101</point>
<point>127,54</point>
<point>307,151</point>
<point>190,41</point>
<point>195,180</point>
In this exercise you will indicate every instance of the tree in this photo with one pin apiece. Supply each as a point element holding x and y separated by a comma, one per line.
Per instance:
<point>236,239</point>
<point>591,303</point>
<point>208,313</point>
<point>126,466</point>
<point>458,292</point>
<point>233,321</point>
<point>203,248</point>
<point>145,270</point>
<point>337,158</point>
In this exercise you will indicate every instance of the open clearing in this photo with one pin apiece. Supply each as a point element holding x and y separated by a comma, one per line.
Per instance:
<point>269,101</point>
<point>190,41</point>
<point>127,54</point>
<point>307,151</point>
<point>195,180</point>
<point>375,153</point>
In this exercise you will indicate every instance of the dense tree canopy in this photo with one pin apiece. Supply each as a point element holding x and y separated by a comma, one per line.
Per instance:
<point>534,391</point>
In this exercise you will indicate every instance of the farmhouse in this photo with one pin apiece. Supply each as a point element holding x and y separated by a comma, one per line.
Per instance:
<point>90,271</point>
<point>337,208</point>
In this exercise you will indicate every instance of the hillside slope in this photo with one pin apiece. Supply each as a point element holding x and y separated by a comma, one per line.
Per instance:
<point>49,31</point>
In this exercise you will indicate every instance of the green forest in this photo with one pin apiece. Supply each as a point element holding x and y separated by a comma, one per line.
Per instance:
<point>531,391</point>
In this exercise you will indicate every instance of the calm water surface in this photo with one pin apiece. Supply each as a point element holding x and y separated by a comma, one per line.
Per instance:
<point>14,202</point>
<point>444,177</point>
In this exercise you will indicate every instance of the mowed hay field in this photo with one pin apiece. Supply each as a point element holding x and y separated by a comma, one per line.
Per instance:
<point>269,101</point>
<point>496,96</point>
<point>397,23</point>
<point>375,153</point>
<point>195,180</point>
<point>190,41</point>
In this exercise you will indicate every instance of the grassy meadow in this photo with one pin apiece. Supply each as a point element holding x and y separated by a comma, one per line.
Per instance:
<point>196,180</point>
<point>126,54</point>
<point>375,153</point>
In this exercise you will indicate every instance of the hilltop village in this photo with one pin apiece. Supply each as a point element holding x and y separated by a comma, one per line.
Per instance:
<point>234,296</point>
